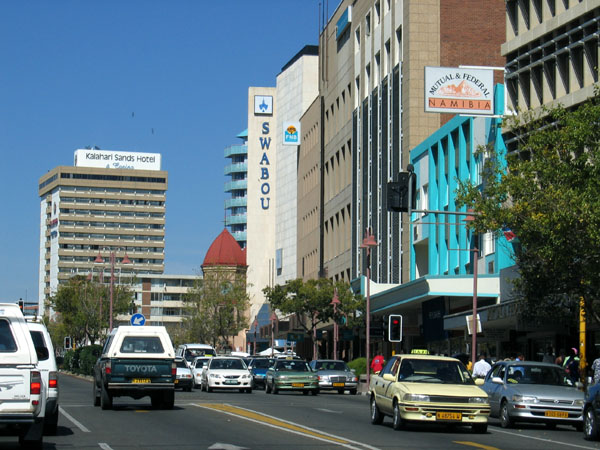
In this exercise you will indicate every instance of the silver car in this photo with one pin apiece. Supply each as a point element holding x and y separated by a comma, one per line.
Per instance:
<point>527,391</point>
<point>335,375</point>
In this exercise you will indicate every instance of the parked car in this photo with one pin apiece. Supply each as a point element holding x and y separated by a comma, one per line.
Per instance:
<point>528,391</point>
<point>225,372</point>
<point>48,369</point>
<point>191,351</point>
<point>335,375</point>
<point>23,392</point>
<point>291,375</point>
<point>591,413</point>
<point>184,378</point>
<point>197,366</point>
<point>427,389</point>
<point>258,368</point>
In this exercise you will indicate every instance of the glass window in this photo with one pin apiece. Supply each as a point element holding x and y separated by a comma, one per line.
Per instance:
<point>39,343</point>
<point>7,340</point>
<point>141,344</point>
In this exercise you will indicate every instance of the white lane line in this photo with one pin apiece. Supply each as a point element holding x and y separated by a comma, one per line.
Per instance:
<point>104,446</point>
<point>328,411</point>
<point>522,436</point>
<point>72,419</point>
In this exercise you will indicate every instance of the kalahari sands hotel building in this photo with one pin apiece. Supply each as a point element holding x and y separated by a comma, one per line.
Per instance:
<point>107,203</point>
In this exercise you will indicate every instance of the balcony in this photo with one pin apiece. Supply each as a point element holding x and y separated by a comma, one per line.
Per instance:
<point>236,202</point>
<point>236,185</point>
<point>239,236</point>
<point>236,150</point>
<point>236,168</point>
<point>235,219</point>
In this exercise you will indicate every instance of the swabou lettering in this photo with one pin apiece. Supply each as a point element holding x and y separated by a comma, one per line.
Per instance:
<point>265,187</point>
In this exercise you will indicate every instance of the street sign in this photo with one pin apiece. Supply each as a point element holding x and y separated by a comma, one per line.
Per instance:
<point>138,319</point>
<point>470,323</point>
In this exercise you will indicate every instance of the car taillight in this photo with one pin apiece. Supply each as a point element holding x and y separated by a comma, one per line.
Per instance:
<point>53,380</point>
<point>35,388</point>
<point>107,368</point>
<point>173,369</point>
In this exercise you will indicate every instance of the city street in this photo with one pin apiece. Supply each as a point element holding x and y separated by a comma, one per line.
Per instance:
<point>230,420</point>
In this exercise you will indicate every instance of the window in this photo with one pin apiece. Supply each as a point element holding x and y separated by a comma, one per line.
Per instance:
<point>141,344</point>
<point>368,25</point>
<point>7,340</point>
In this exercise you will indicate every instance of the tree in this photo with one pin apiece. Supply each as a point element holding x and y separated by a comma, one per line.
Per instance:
<point>548,194</point>
<point>216,308</point>
<point>78,304</point>
<point>311,302</point>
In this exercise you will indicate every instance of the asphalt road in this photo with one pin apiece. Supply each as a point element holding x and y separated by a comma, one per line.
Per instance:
<point>231,420</point>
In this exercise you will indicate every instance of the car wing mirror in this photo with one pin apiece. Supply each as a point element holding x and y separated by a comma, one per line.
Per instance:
<point>479,381</point>
<point>497,380</point>
<point>389,377</point>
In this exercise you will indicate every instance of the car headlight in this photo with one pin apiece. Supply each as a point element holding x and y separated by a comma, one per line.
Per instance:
<point>579,402</point>
<point>313,378</point>
<point>477,400</point>
<point>214,375</point>
<point>245,376</point>
<point>281,377</point>
<point>415,398</point>
<point>524,398</point>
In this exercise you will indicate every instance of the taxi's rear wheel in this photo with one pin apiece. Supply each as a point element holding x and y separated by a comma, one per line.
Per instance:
<point>505,419</point>
<point>376,416</point>
<point>397,422</point>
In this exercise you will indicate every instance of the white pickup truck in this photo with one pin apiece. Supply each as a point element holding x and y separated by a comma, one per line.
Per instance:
<point>22,390</point>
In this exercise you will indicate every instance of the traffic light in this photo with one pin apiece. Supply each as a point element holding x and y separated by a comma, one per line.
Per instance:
<point>22,305</point>
<point>67,342</point>
<point>395,328</point>
<point>398,192</point>
<point>376,329</point>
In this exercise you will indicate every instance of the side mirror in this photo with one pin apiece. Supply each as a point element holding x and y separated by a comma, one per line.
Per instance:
<point>479,381</point>
<point>249,367</point>
<point>389,377</point>
<point>497,380</point>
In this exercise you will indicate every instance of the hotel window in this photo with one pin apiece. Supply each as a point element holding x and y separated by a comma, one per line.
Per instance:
<point>377,12</point>
<point>368,25</point>
<point>357,40</point>
<point>398,49</point>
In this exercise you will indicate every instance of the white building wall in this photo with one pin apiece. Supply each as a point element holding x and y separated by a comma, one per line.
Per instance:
<point>297,87</point>
<point>262,165</point>
<point>42,262</point>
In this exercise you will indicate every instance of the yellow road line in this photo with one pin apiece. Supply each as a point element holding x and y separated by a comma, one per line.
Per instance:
<point>270,420</point>
<point>475,444</point>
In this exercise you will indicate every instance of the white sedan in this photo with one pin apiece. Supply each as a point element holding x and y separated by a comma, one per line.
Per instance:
<point>197,366</point>
<point>224,372</point>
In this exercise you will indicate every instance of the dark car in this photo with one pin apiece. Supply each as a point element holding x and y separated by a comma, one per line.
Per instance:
<point>591,413</point>
<point>258,368</point>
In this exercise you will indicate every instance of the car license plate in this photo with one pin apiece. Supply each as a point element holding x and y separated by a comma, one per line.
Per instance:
<point>297,384</point>
<point>561,414</point>
<point>176,381</point>
<point>143,380</point>
<point>230,382</point>
<point>443,415</point>
<point>338,384</point>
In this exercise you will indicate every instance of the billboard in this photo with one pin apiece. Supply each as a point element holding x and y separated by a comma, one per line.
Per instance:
<point>115,159</point>
<point>459,91</point>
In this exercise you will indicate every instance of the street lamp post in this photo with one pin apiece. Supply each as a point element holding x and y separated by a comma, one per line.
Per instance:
<point>335,302</point>
<point>273,320</point>
<point>99,259</point>
<point>255,324</point>
<point>368,242</point>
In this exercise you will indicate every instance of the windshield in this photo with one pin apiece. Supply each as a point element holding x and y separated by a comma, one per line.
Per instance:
<point>261,363</point>
<point>292,366</point>
<point>434,371</point>
<point>332,365</point>
<point>141,344</point>
<point>547,375</point>
<point>192,353</point>
<point>227,364</point>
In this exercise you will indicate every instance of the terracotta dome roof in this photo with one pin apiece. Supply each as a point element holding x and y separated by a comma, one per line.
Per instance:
<point>225,251</point>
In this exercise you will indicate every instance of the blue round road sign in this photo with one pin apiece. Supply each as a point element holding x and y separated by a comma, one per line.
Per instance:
<point>138,319</point>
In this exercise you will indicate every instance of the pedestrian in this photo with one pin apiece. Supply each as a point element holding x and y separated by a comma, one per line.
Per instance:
<point>481,367</point>
<point>560,359</point>
<point>377,364</point>
<point>596,370</point>
<point>548,356</point>
<point>571,365</point>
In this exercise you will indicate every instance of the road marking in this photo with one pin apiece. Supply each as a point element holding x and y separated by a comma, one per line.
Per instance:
<point>104,446</point>
<point>328,411</point>
<point>544,440</point>
<point>475,444</point>
<point>270,421</point>
<point>72,419</point>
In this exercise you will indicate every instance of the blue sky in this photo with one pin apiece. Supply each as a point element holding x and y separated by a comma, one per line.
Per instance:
<point>73,72</point>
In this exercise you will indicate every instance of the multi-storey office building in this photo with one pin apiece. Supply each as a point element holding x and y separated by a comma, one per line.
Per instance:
<point>109,202</point>
<point>235,206</point>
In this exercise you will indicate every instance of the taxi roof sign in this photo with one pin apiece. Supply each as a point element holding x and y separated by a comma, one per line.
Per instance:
<point>419,351</point>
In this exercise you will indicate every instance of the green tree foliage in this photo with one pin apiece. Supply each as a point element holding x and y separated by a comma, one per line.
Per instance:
<point>215,309</point>
<point>77,303</point>
<point>311,302</point>
<point>548,194</point>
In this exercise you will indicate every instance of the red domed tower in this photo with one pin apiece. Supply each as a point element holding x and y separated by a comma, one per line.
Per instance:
<point>225,252</point>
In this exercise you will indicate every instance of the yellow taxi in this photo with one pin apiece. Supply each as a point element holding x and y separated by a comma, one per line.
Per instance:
<point>426,388</point>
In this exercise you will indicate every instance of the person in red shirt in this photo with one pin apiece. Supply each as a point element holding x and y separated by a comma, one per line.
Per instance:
<point>377,364</point>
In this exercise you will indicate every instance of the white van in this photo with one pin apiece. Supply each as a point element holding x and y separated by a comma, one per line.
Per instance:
<point>191,351</point>
<point>48,368</point>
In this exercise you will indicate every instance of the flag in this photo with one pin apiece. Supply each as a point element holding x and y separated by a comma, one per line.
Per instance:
<point>509,234</point>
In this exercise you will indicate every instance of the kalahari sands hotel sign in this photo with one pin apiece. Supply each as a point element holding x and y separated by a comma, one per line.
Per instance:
<point>459,91</point>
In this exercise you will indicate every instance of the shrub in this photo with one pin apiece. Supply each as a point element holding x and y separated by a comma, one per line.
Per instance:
<point>87,358</point>
<point>359,365</point>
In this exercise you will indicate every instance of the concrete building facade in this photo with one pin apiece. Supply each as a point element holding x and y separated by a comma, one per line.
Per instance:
<point>237,171</point>
<point>109,202</point>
